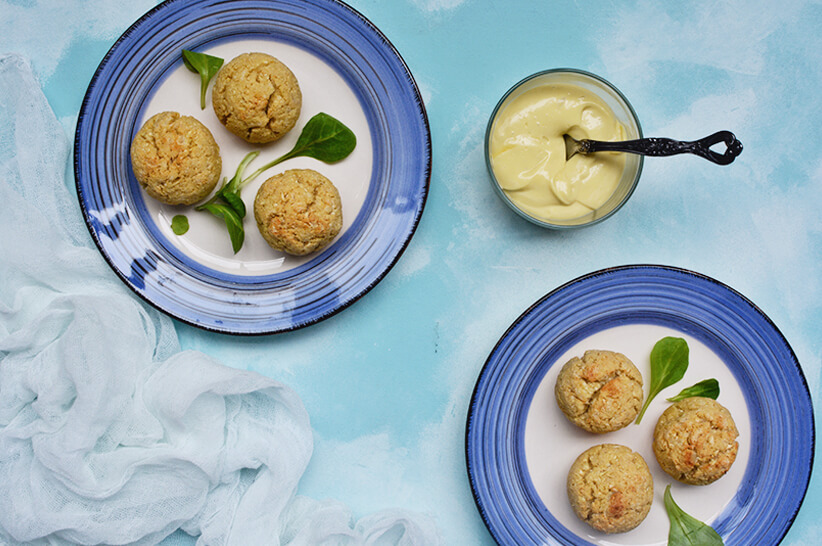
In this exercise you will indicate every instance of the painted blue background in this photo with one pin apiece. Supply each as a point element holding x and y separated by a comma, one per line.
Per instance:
<point>387,381</point>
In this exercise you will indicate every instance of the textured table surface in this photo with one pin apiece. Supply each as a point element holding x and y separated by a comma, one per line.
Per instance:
<point>387,381</point>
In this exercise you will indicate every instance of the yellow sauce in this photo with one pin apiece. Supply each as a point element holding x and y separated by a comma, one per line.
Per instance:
<point>527,152</point>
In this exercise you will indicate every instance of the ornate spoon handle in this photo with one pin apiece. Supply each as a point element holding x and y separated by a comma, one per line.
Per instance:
<point>667,146</point>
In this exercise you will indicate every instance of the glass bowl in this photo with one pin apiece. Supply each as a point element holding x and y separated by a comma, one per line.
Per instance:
<point>624,113</point>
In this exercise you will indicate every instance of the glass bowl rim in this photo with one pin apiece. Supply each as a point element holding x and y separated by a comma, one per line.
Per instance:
<point>514,88</point>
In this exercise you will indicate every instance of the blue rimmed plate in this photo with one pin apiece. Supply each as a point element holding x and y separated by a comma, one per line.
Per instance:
<point>347,68</point>
<point>519,446</point>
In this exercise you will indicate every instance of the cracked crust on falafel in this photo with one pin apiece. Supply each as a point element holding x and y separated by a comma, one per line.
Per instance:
<point>600,392</point>
<point>176,159</point>
<point>610,488</point>
<point>256,97</point>
<point>298,211</point>
<point>695,440</point>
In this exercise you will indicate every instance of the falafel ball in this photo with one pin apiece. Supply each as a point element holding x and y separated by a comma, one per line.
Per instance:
<point>298,211</point>
<point>695,440</point>
<point>256,97</point>
<point>176,159</point>
<point>600,392</point>
<point>610,488</point>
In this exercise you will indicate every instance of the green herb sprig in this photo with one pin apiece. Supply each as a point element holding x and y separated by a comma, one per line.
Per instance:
<point>324,138</point>
<point>206,66</point>
<point>227,204</point>
<point>685,529</point>
<point>708,388</point>
<point>669,361</point>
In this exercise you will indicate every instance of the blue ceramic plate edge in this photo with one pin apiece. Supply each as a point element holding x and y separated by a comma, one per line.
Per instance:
<point>420,105</point>
<point>470,466</point>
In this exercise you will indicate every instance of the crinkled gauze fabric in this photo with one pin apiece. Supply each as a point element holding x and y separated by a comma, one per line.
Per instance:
<point>108,432</point>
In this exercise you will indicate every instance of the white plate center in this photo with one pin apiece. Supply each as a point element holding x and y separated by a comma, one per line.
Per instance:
<point>323,90</point>
<point>552,443</point>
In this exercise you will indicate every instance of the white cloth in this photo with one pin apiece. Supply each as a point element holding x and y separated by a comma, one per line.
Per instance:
<point>108,433</point>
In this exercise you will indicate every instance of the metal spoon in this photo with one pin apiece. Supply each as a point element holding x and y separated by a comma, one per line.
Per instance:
<point>660,147</point>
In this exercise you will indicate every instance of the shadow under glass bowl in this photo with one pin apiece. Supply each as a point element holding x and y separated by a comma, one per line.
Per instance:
<point>624,113</point>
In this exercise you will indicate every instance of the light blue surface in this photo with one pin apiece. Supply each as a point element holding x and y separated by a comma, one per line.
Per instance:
<point>387,381</point>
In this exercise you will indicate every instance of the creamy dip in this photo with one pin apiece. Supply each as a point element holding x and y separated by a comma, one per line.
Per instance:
<point>527,152</point>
